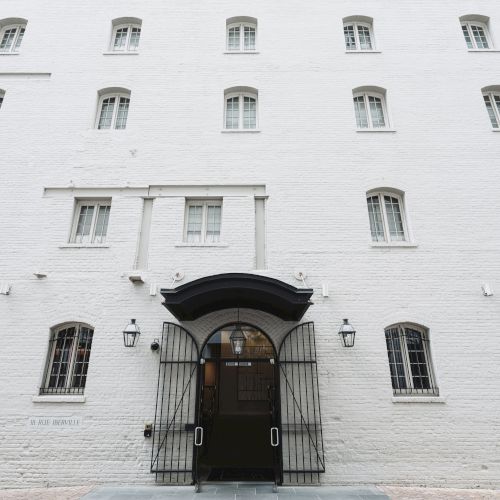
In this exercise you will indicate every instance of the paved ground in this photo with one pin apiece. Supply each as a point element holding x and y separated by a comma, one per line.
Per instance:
<point>247,492</point>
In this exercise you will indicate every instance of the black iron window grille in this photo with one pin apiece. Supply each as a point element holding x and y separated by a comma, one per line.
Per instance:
<point>68,360</point>
<point>408,349</point>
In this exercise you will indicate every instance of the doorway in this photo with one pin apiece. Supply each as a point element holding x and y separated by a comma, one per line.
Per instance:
<point>237,435</point>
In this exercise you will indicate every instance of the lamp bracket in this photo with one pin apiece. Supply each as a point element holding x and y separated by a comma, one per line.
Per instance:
<point>176,276</point>
<point>301,275</point>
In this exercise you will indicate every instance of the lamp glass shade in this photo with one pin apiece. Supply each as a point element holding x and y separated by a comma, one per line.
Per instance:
<point>131,334</point>
<point>347,334</point>
<point>238,340</point>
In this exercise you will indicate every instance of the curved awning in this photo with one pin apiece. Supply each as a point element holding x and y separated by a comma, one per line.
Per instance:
<point>237,290</point>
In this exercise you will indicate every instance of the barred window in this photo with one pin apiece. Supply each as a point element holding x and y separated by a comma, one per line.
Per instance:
<point>11,37</point>
<point>91,222</point>
<point>408,350</point>
<point>476,33</point>
<point>387,217</point>
<point>370,109</point>
<point>203,221</point>
<point>68,359</point>
<point>241,34</point>
<point>240,110</point>
<point>113,110</point>
<point>358,35</point>
<point>126,35</point>
<point>492,102</point>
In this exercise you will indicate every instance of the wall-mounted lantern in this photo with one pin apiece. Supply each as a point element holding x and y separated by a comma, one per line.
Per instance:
<point>131,334</point>
<point>347,334</point>
<point>238,340</point>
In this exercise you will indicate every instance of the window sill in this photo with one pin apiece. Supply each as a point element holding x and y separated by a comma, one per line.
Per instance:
<point>363,52</point>
<point>217,245</point>
<point>82,245</point>
<point>9,53</point>
<point>418,399</point>
<point>483,50</point>
<point>495,129</point>
<point>112,53</point>
<point>401,244</point>
<point>376,130</point>
<point>241,52</point>
<point>59,399</point>
<point>240,131</point>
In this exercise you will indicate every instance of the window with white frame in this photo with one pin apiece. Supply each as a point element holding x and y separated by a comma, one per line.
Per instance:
<point>408,350</point>
<point>240,109</point>
<point>67,359</point>
<point>203,221</point>
<point>241,34</point>
<point>387,217</point>
<point>358,34</point>
<point>370,109</point>
<point>90,225</point>
<point>11,35</point>
<point>491,98</point>
<point>113,110</point>
<point>126,35</point>
<point>476,32</point>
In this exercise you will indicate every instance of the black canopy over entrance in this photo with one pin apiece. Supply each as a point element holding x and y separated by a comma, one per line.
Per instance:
<point>237,290</point>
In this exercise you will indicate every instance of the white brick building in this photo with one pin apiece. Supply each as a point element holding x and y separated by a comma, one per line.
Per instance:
<point>289,116</point>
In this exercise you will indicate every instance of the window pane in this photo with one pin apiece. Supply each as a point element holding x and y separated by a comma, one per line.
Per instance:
<point>377,112</point>
<point>396,363</point>
<point>213,223</point>
<point>479,37</point>
<point>491,111</point>
<point>101,227</point>
<point>121,117</point>
<point>249,38</point>
<point>250,113</point>
<point>350,39</point>
<point>1,100</point>
<point>232,112</point>
<point>82,356</point>
<point>120,39</point>
<point>365,41</point>
<point>360,110</point>
<point>233,38</point>
<point>84,224</point>
<point>19,38</point>
<point>61,357</point>
<point>418,361</point>
<point>8,39</point>
<point>134,39</point>
<point>375,215</point>
<point>107,108</point>
<point>195,213</point>
<point>467,37</point>
<point>394,218</point>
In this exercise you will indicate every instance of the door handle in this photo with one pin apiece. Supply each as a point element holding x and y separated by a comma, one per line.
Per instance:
<point>198,436</point>
<point>275,437</point>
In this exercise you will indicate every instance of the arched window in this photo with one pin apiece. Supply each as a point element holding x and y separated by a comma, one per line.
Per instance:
<point>387,217</point>
<point>491,96</point>
<point>241,34</point>
<point>67,359</point>
<point>410,364</point>
<point>358,33</point>
<point>2,95</point>
<point>113,108</point>
<point>240,108</point>
<point>370,108</point>
<point>476,32</point>
<point>11,35</point>
<point>126,34</point>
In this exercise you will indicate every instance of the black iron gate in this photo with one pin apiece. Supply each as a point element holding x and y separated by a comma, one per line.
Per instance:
<point>301,431</point>
<point>174,426</point>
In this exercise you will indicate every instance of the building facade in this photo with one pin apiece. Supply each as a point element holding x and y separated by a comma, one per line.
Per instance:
<point>265,170</point>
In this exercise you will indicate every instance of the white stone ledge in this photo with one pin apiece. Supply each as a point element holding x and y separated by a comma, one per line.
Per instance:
<point>495,129</point>
<point>375,130</point>
<point>418,399</point>
<point>393,245</point>
<point>363,52</point>
<point>9,53</point>
<point>82,245</point>
<point>241,52</point>
<point>59,398</point>
<point>484,50</point>
<point>240,131</point>
<point>218,245</point>
<point>111,53</point>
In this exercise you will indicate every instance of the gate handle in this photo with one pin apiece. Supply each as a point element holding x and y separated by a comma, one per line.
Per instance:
<point>198,434</point>
<point>275,437</point>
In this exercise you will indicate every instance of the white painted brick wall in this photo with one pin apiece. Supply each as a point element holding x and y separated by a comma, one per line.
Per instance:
<point>316,169</point>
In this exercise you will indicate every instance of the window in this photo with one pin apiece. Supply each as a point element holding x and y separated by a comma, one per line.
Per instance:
<point>386,214</point>
<point>68,359</point>
<point>11,35</point>
<point>113,109</point>
<point>240,109</point>
<point>491,96</point>
<point>126,35</point>
<point>241,34</point>
<point>410,364</point>
<point>358,33</point>
<point>91,222</point>
<point>476,33</point>
<point>203,221</point>
<point>2,95</point>
<point>370,109</point>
